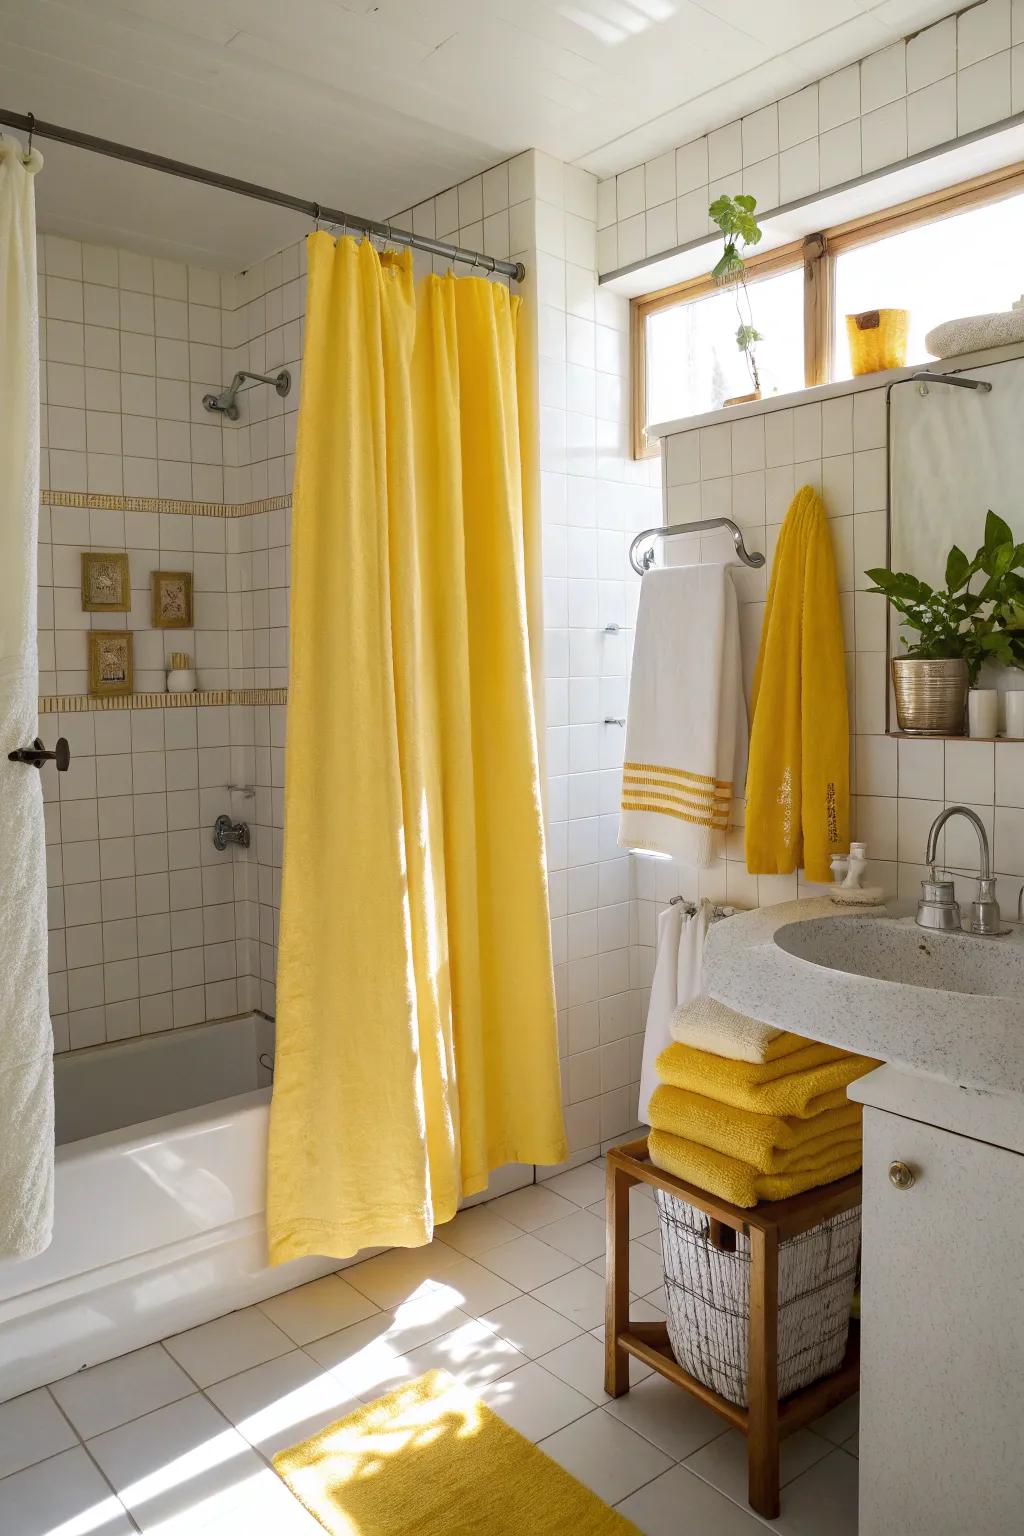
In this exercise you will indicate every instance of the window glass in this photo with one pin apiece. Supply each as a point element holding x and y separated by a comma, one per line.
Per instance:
<point>968,264</point>
<point>693,362</point>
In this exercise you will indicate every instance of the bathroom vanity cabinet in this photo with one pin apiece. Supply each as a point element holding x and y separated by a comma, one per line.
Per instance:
<point>942,1308</point>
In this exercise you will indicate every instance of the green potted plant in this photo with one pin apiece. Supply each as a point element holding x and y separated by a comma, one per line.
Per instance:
<point>958,629</point>
<point>740,229</point>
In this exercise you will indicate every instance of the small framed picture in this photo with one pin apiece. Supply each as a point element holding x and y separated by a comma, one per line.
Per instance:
<point>172,599</point>
<point>106,585</point>
<point>110,662</point>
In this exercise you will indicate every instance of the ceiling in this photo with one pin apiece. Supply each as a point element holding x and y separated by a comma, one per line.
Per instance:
<point>376,104</point>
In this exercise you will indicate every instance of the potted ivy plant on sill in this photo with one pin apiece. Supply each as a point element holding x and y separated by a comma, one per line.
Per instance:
<point>740,229</point>
<point>958,629</point>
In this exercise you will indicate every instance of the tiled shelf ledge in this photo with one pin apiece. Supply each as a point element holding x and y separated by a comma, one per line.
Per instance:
<point>79,703</point>
<point>110,503</point>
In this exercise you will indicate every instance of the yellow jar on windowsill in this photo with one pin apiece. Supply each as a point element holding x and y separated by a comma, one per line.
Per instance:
<point>878,339</point>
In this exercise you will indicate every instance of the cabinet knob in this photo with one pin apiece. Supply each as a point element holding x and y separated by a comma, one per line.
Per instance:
<point>901,1176</point>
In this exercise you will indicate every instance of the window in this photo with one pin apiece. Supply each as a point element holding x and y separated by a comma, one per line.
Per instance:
<point>970,264</point>
<point>955,252</point>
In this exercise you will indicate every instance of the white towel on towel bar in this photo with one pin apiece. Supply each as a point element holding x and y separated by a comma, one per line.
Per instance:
<point>686,732</point>
<point>678,977</point>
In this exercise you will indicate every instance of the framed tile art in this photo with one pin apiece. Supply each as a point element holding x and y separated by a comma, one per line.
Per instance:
<point>106,584</point>
<point>172,599</point>
<point>110,662</point>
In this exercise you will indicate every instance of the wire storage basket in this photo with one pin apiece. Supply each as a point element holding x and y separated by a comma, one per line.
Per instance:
<point>707,1292</point>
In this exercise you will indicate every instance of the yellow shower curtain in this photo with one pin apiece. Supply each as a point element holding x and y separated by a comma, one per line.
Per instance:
<point>416,1039</point>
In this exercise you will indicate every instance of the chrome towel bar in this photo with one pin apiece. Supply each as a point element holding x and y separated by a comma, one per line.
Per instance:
<point>644,563</point>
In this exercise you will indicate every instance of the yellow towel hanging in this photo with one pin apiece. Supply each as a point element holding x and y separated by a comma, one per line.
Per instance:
<point>798,778</point>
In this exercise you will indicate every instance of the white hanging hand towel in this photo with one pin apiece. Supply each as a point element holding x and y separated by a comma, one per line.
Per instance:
<point>26,1041</point>
<point>686,733</point>
<point>678,977</point>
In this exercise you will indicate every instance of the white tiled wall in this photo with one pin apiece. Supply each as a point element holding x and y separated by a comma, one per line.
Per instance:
<point>749,470</point>
<point>962,74</point>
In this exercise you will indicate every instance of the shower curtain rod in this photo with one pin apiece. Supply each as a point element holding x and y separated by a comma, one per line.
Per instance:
<point>31,125</point>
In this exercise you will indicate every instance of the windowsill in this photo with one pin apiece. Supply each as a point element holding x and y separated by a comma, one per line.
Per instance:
<point>883,380</point>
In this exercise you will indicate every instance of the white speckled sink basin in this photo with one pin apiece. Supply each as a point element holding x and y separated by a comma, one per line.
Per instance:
<point>947,1004</point>
<point>907,955</point>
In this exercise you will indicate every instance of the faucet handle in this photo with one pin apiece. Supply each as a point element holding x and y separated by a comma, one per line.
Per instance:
<point>986,917</point>
<point>938,906</point>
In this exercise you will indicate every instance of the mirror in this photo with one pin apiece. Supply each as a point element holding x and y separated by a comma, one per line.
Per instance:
<point>954,455</point>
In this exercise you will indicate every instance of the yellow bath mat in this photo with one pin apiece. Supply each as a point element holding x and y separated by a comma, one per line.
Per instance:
<point>429,1459</point>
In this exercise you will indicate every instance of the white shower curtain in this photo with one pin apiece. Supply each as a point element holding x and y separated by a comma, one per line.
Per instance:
<point>26,1046</point>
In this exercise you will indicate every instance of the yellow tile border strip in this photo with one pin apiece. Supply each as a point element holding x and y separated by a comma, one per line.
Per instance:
<point>105,503</point>
<point>82,703</point>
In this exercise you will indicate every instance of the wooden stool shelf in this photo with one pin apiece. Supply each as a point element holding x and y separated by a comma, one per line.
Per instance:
<point>767,1420</point>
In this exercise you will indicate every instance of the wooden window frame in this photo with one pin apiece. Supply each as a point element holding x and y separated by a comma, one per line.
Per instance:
<point>816,254</point>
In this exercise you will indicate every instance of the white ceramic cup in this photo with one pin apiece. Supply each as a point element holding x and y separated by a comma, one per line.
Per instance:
<point>982,712</point>
<point>1013,704</point>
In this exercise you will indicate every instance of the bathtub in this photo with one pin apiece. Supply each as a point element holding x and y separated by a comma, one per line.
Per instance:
<point>159,1202</point>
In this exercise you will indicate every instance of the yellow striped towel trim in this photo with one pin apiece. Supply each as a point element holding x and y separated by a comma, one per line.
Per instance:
<point>719,823</point>
<point>695,791</point>
<point>677,773</point>
<point>684,802</point>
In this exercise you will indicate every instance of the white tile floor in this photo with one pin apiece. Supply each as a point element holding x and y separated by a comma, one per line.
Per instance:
<point>177,1438</point>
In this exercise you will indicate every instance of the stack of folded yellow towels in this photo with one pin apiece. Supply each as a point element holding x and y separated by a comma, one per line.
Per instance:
<point>767,1120</point>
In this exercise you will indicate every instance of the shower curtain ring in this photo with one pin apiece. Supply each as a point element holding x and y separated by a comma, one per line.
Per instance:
<point>316,218</point>
<point>31,129</point>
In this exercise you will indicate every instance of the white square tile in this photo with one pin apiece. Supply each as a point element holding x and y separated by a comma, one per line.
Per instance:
<point>723,1461</point>
<point>761,181</point>
<point>533,1328</point>
<point>839,98</point>
<point>527,1263</point>
<point>982,30</point>
<point>672,1420</point>
<point>725,152</point>
<point>581,1235</point>
<point>583,1185</point>
<point>606,1456</point>
<point>798,117</point>
<point>661,228</point>
<point>1010,773</point>
<point>931,55</point>
<point>1008,840</point>
<point>357,1355</point>
<point>660,180</point>
<point>692,167</point>
<point>111,1394</point>
<point>534,1402</point>
<point>884,134</point>
<point>31,1429</point>
<point>983,92</point>
<point>472,1353</point>
<point>692,216</point>
<point>581,1363</point>
<point>839,154</point>
<point>760,134</point>
<point>228,1345</point>
<point>883,77</point>
<point>970,771</point>
<point>921,770</point>
<point>578,1295</point>
<point>655,1509</point>
<point>473,1288</point>
<point>532,1207</point>
<point>799,171</point>
<point>474,1230</point>
<point>312,1311</point>
<point>630,192</point>
<point>65,1494</point>
<point>931,115</point>
<point>392,1277</point>
<point>282,1402</point>
<point>185,1463</point>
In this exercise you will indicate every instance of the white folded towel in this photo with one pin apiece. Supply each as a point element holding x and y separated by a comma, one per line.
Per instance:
<point>686,735</point>
<point>678,974</point>
<point>708,1025</point>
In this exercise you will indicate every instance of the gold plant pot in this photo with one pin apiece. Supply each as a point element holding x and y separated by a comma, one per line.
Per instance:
<point>878,339</point>
<point>931,696</point>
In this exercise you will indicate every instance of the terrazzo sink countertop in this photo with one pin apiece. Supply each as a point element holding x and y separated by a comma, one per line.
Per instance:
<point>948,1005</point>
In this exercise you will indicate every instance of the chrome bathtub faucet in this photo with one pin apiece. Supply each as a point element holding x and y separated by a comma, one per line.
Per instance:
<point>938,907</point>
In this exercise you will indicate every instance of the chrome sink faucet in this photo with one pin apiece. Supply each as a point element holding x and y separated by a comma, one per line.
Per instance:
<point>938,907</point>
